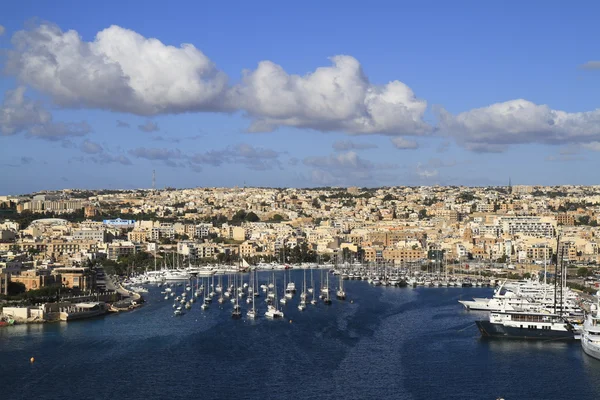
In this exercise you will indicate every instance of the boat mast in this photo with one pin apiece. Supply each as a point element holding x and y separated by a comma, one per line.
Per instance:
<point>253,289</point>
<point>556,270</point>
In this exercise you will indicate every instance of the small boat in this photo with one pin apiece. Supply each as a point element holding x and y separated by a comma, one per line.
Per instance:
<point>302,305</point>
<point>178,311</point>
<point>273,312</point>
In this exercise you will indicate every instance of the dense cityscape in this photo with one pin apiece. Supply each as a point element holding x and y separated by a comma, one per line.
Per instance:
<point>500,229</point>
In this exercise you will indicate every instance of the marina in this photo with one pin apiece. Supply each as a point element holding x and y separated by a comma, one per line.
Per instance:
<point>387,336</point>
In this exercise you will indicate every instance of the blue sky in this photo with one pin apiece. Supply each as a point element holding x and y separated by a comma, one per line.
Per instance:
<point>484,91</point>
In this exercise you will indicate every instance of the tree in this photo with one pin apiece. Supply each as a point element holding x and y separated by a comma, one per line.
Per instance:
<point>583,272</point>
<point>239,216</point>
<point>584,220</point>
<point>15,288</point>
<point>252,217</point>
<point>466,196</point>
<point>183,236</point>
<point>423,214</point>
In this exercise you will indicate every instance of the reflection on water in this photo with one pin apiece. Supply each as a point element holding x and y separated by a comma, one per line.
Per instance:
<point>520,347</point>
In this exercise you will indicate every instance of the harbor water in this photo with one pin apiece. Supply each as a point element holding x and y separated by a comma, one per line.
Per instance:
<point>381,342</point>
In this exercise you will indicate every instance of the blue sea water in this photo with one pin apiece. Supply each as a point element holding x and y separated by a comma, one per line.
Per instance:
<point>386,343</point>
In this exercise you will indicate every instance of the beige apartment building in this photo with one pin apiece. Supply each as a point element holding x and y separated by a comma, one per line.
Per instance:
<point>36,279</point>
<point>538,252</point>
<point>248,249</point>
<point>403,255</point>
<point>138,235</point>
<point>82,278</point>
<point>565,219</point>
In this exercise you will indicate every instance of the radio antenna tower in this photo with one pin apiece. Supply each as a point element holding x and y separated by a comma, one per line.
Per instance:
<point>153,179</point>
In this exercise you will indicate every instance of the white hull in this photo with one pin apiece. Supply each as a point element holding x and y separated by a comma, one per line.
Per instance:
<point>590,348</point>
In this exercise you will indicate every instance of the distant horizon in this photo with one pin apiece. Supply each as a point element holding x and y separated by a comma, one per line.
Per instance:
<point>289,187</point>
<point>422,94</point>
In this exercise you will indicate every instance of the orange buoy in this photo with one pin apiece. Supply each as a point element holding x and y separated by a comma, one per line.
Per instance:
<point>32,360</point>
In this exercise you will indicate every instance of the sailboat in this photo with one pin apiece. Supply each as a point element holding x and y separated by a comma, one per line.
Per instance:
<point>312,284</point>
<point>327,299</point>
<point>283,300</point>
<point>237,311</point>
<point>245,266</point>
<point>219,288</point>
<point>272,311</point>
<point>207,298</point>
<point>252,312</point>
<point>290,289</point>
<point>324,288</point>
<point>304,294</point>
<point>302,305</point>
<point>212,287</point>
<point>341,295</point>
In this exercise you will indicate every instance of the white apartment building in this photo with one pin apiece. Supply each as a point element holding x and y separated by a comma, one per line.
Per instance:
<point>98,235</point>
<point>202,230</point>
<point>529,226</point>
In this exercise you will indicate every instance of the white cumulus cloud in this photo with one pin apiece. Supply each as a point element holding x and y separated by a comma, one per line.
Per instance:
<point>495,127</point>
<point>2,30</point>
<point>119,70</point>
<point>334,98</point>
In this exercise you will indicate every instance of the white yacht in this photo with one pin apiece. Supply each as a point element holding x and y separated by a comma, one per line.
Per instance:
<point>590,337</point>
<point>540,300</point>
<point>526,325</point>
<point>176,276</point>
